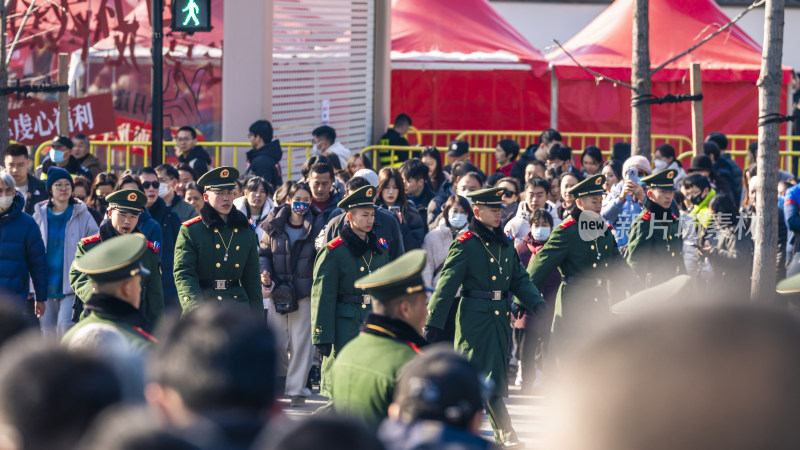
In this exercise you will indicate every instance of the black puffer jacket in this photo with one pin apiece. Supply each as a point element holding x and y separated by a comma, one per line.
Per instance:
<point>279,259</point>
<point>265,163</point>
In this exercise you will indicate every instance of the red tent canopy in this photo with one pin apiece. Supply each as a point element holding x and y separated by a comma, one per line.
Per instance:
<point>730,64</point>
<point>457,64</point>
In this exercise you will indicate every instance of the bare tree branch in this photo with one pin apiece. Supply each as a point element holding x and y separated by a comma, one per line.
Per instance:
<point>597,75</point>
<point>27,38</point>
<point>753,6</point>
<point>19,33</point>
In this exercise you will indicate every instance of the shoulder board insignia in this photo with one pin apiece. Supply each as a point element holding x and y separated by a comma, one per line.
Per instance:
<point>675,217</point>
<point>90,239</point>
<point>610,227</point>
<point>192,220</point>
<point>252,223</point>
<point>335,243</point>
<point>567,223</point>
<point>384,245</point>
<point>146,334</point>
<point>646,215</point>
<point>154,246</point>
<point>466,235</point>
<point>509,235</point>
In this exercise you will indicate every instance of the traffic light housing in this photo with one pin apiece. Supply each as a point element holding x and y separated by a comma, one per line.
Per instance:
<point>189,16</point>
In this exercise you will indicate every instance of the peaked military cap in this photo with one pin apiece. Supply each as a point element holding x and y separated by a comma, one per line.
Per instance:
<point>664,180</point>
<point>219,179</point>
<point>592,185</point>
<point>363,197</point>
<point>491,197</point>
<point>789,285</point>
<point>128,200</point>
<point>400,277</point>
<point>114,259</point>
<point>673,291</point>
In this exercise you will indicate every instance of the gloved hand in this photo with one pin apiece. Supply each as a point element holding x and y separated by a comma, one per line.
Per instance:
<point>517,310</point>
<point>433,335</point>
<point>324,349</point>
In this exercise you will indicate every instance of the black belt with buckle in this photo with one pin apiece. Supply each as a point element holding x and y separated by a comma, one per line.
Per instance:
<point>489,295</point>
<point>360,299</point>
<point>219,285</point>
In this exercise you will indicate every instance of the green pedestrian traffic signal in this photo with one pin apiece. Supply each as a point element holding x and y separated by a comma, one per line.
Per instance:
<point>190,16</point>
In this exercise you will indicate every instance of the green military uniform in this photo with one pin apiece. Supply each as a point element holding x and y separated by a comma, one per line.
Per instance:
<point>128,201</point>
<point>216,259</point>
<point>583,261</point>
<point>114,260</point>
<point>655,245</point>
<point>365,372</point>
<point>338,308</point>
<point>485,267</point>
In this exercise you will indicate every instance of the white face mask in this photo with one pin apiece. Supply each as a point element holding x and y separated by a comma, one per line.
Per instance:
<point>5,202</point>
<point>464,194</point>
<point>457,220</point>
<point>163,190</point>
<point>659,165</point>
<point>540,234</point>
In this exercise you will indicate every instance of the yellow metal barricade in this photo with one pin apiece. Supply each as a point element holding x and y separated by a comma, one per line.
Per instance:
<point>482,158</point>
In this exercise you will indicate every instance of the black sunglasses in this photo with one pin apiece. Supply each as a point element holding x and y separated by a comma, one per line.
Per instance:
<point>149,184</point>
<point>509,194</point>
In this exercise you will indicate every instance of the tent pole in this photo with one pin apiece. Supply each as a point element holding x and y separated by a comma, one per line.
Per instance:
<point>695,80</point>
<point>553,98</point>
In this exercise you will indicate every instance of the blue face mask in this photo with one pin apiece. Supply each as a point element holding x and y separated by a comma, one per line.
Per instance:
<point>300,207</point>
<point>57,156</point>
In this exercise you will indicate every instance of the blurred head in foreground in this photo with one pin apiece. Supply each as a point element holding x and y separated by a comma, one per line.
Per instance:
<point>710,377</point>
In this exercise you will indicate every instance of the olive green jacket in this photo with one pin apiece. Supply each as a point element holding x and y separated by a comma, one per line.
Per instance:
<point>200,259</point>
<point>483,326</point>
<point>655,248</point>
<point>109,310</point>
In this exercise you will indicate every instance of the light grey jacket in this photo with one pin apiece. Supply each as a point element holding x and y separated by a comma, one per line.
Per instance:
<point>79,226</point>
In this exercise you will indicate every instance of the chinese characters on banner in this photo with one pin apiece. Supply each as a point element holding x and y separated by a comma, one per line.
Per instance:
<point>87,115</point>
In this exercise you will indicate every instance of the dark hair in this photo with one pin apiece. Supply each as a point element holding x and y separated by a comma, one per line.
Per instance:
<point>310,162</point>
<point>328,432</point>
<point>475,175</point>
<point>679,199</point>
<point>101,179</point>
<point>451,201</point>
<point>192,186</point>
<point>535,182</point>
<point>193,132</point>
<point>188,169</point>
<point>414,169</point>
<point>355,183</point>
<point>169,170</point>
<point>666,150</point>
<point>616,167</point>
<point>565,175</point>
<point>711,149</point>
<point>299,186</point>
<point>718,138</point>
<point>722,204</point>
<point>402,119</point>
<point>551,174</point>
<point>511,180</point>
<point>16,150</point>
<point>130,428</point>
<point>510,147</point>
<point>253,183</point>
<point>239,184</point>
<point>83,182</point>
<point>217,358</point>
<point>262,129</point>
<point>351,160</point>
<point>697,180</point>
<point>148,170</point>
<point>80,137</point>
<point>49,388</point>
<point>461,168</point>
<point>326,133</point>
<point>12,321</point>
<point>753,149</point>
<point>321,168</point>
<point>621,151</point>
<point>559,152</point>
<point>282,193</point>
<point>438,172</point>
<point>594,153</point>
<point>385,175</point>
<point>334,161</point>
<point>540,214</point>
<point>128,177</point>
<point>549,135</point>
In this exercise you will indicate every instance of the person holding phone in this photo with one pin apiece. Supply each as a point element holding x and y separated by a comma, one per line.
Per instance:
<point>625,200</point>
<point>392,196</point>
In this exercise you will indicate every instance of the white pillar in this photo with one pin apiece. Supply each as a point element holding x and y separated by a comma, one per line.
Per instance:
<point>381,108</point>
<point>246,70</point>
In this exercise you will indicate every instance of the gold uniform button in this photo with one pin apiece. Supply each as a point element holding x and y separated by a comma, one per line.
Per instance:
<point>217,245</point>
<point>497,313</point>
<point>594,264</point>
<point>606,247</point>
<point>219,297</point>
<point>606,264</point>
<point>491,259</point>
<point>494,277</point>
<point>591,247</point>
<point>673,253</point>
<point>595,300</point>
<point>235,296</point>
<point>363,306</point>
<point>186,299</point>
<point>216,230</point>
<point>237,247</point>
<point>362,269</point>
<point>218,264</point>
<point>508,313</point>
<point>236,265</point>
<point>506,259</point>
<point>235,230</point>
<point>506,278</point>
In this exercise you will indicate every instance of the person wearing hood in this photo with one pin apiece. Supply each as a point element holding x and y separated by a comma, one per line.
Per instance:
<point>338,309</point>
<point>191,154</point>
<point>169,222</point>
<point>265,157</point>
<point>63,222</point>
<point>22,252</point>
<point>124,208</point>
<point>60,155</point>
<point>536,192</point>
<point>16,162</point>
<point>625,199</point>
<point>483,268</point>
<point>324,141</point>
<point>437,404</point>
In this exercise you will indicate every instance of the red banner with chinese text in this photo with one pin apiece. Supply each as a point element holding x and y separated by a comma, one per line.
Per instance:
<point>33,125</point>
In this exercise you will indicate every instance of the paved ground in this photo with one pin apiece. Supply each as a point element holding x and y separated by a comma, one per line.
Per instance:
<point>527,415</point>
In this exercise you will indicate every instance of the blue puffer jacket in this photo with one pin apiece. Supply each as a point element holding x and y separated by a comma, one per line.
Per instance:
<point>169,224</point>
<point>22,254</point>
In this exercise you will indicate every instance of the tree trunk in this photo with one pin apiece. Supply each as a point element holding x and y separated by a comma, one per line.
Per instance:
<point>3,82</point>
<point>769,99</point>
<point>640,79</point>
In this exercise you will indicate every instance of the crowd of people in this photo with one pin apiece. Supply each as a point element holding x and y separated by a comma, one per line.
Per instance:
<point>157,283</point>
